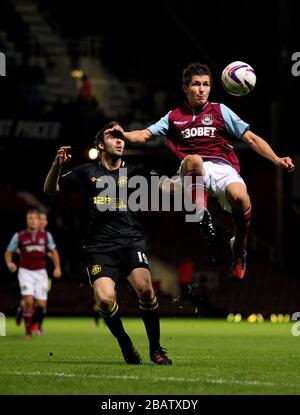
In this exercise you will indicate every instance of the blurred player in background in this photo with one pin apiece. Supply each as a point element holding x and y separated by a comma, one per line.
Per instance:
<point>37,325</point>
<point>33,244</point>
<point>201,134</point>
<point>114,243</point>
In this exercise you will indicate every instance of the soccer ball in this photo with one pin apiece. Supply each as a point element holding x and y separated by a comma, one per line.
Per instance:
<point>238,78</point>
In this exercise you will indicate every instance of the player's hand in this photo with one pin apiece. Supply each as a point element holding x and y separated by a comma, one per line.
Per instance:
<point>12,267</point>
<point>57,272</point>
<point>286,163</point>
<point>62,155</point>
<point>116,131</point>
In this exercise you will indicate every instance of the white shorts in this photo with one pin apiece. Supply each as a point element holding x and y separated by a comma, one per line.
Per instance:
<point>33,282</point>
<point>218,175</point>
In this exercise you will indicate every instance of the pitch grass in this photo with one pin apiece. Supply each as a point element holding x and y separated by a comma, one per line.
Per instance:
<point>209,357</point>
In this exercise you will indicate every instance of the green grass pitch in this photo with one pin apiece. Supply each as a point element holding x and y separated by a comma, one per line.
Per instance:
<point>74,357</point>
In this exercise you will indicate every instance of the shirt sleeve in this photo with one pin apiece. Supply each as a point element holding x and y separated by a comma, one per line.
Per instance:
<point>51,244</point>
<point>235,126</point>
<point>14,243</point>
<point>71,180</point>
<point>160,127</point>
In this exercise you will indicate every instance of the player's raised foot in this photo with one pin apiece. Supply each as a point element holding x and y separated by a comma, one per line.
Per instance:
<point>239,262</point>
<point>206,226</point>
<point>208,233</point>
<point>130,354</point>
<point>19,315</point>
<point>160,357</point>
<point>238,266</point>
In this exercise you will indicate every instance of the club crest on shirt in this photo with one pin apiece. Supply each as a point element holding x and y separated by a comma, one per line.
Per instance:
<point>96,269</point>
<point>207,119</point>
<point>95,179</point>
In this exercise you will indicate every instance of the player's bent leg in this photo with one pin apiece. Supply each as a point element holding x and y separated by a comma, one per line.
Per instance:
<point>192,173</point>
<point>192,162</point>
<point>140,279</point>
<point>27,287</point>
<point>19,313</point>
<point>104,289</point>
<point>238,198</point>
<point>192,170</point>
<point>41,295</point>
<point>28,302</point>
<point>38,316</point>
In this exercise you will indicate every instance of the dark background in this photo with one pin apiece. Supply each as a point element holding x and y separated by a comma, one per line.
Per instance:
<point>141,48</point>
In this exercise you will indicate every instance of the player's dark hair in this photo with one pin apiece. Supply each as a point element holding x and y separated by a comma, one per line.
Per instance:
<point>195,69</point>
<point>100,134</point>
<point>33,210</point>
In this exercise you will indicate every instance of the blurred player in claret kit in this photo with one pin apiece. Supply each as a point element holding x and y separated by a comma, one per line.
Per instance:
<point>202,135</point>
<point>113,243</point>
<point>33,245</point>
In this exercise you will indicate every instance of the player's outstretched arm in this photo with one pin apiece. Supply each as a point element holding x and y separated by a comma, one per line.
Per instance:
<point>137,136</point>
<point>51,183</point>
<point>261,147</point>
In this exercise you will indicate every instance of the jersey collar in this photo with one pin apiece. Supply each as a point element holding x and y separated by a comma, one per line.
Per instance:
<point>111,171</point>
<point>199,110</point>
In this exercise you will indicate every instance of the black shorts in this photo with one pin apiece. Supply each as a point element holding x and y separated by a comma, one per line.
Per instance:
<point>115,259</point>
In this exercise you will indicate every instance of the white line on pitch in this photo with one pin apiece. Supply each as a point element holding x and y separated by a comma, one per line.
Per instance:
<point>156,379</point>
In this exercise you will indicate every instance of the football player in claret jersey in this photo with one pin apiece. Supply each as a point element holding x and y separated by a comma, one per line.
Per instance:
<point>33,244</point>
<point>39,313</point>
<point>201,134</point>
<point>113,243</point>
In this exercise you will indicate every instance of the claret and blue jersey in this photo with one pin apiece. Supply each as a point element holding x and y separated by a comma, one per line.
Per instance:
<point>208,132</point>
<point>33,248</point>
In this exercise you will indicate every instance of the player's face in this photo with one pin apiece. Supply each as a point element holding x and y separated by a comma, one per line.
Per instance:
<point>113,146</point>
<point>33,221</point>
<point>197,91</point>
<point>43,221</point>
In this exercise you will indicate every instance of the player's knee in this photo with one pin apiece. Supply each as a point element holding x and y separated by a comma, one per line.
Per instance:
<point>193,162</point>
<point>240,203</point>
<point>42,306</point>
<point>106,301</point>
<point>146,292</point>
<point>28,302</point>
<point>239,199</point>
